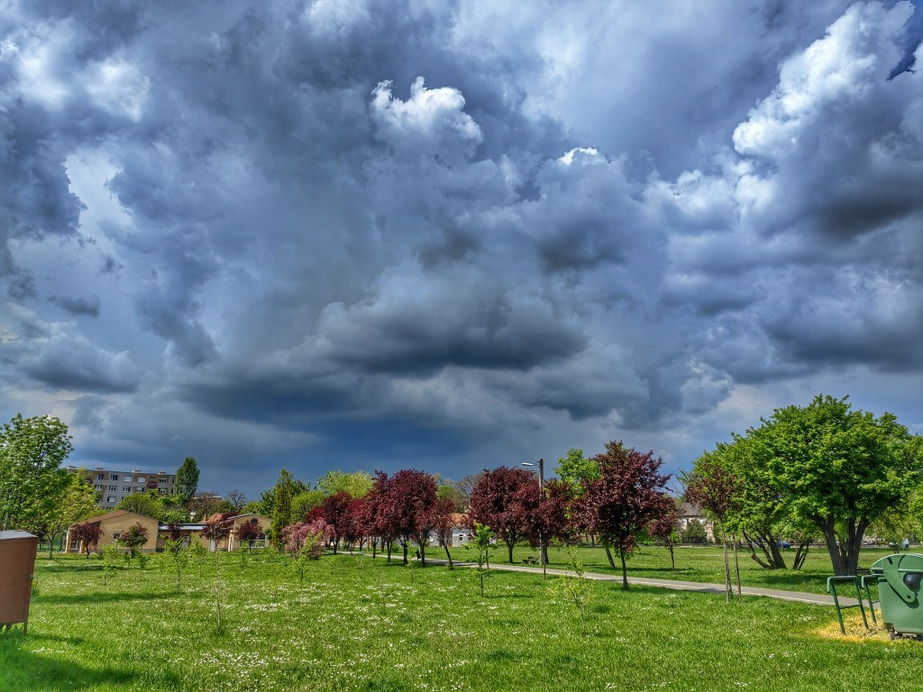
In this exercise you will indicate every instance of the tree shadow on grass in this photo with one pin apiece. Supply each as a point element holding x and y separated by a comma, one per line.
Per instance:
<point>96,597</point>
<point>36,669</point>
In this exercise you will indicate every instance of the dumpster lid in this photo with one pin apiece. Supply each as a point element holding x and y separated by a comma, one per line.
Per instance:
<point>8,535</point>
<point>904,561</point>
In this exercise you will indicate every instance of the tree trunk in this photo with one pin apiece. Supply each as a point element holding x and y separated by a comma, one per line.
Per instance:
<point>672,560</point>
<point>624,570</point>
<point>609,555</point>
<point>448,555</point>
<point>509,547</point>
<point>827,526</point>
<point>737,571</point>
<point>800,554</point>
<point>727,567</point>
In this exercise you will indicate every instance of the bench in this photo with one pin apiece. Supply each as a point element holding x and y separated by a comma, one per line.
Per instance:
<point>531,560</point>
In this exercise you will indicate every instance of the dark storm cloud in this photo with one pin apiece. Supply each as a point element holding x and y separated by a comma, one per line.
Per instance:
<point>374,232</point>
<point>77,305</point>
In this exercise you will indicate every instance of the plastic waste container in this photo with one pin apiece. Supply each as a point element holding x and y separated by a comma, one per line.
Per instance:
<point>899,593</point>
<point>17,565</point>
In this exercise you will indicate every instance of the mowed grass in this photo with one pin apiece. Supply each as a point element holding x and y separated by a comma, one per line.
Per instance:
<point>359,624</point>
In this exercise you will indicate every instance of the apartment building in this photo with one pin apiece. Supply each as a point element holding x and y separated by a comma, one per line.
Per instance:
<point>113,485</point>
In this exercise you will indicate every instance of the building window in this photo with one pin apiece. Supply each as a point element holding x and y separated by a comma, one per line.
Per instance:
<point>98,488</point>
<point>126,488</point>
<point>162,480</point>
<point>114,477</point>
<point>100,476</point>
<point>113,488</point>
<point>140,479</point>
<point>163,491</point>
<point>110,500</point>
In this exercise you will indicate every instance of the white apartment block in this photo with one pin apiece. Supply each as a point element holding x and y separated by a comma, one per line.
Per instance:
<point>113,485</point>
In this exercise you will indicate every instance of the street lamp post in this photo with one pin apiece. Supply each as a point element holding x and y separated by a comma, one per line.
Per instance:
<point>541,488</point>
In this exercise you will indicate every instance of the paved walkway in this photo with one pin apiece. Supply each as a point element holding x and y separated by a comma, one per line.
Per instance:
<point>800,597</point>
<point>675,584</point>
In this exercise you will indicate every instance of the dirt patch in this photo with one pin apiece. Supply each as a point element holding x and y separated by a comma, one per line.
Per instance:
<point>855,630</point>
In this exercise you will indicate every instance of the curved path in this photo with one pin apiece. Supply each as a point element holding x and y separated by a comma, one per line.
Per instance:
<point>675,584</point>
<point>798,596</point>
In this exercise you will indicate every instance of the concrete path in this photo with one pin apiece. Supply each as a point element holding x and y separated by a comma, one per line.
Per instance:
<point>797,596</point>
<point>675,584</point>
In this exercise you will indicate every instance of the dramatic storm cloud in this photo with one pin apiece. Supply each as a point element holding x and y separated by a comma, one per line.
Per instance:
<point>453,235</point>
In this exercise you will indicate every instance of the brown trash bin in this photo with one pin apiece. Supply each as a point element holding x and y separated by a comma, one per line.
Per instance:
<point>17,565</point>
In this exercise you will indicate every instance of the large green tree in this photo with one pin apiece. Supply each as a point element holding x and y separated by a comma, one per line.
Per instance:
<point>837,468</point>
<point>187,480</point>
<point>31,478</point>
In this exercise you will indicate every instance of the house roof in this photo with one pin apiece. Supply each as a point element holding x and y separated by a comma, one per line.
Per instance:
<point>688,511</point>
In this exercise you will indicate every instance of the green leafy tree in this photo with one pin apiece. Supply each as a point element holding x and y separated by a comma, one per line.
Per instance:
<point>31,478</point>
<point>304,502</point>
<point>357,484</point>
<point>838,469</point>
<point>147,504</point>
<point>694,533</point>
<point>577,469</point>
<point>282,509</point>
<point>574,587</point>
<point>187,480</point>
<point>482,542</point>
<point>78,501</point>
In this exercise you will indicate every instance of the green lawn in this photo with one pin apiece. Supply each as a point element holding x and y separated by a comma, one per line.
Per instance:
<point>359,624</point>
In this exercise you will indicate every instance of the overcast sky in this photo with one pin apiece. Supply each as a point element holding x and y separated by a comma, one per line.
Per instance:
<point>452,235</point>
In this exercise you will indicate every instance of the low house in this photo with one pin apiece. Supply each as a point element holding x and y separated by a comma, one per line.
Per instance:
<point>688,512</point>
<point>459,532</point>
<point>258,520</point>
<point>232,542</point>
<point>112,525</point>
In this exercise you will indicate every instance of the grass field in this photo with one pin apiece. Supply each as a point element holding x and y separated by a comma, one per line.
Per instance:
<point>359,624</point>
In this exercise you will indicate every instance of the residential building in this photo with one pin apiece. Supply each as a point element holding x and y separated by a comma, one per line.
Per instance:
<point>113,485</point>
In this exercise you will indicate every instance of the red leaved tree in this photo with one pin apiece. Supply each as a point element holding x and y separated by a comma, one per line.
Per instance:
<point>134,538</point>
<point>337,511</point>
<point>88,534</point>
<point>550,520</point>
<point>623,501</point>
<point>372,518</point>
<point>407,509</point>
<point>248,533</point>
<point>716,489</point>
<point>502,500</point>
<point>442,520</point>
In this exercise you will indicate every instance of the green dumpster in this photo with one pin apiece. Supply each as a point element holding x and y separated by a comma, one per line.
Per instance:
<point>899,584</point>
